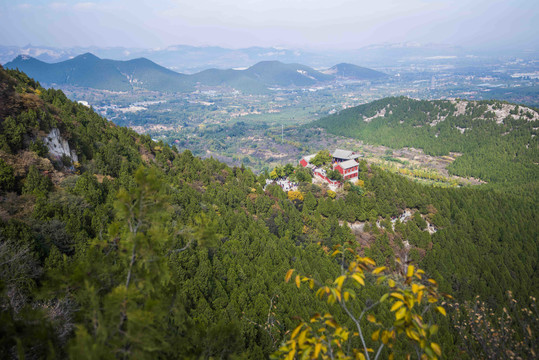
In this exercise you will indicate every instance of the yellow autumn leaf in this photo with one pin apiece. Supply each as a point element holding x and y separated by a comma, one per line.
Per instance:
<point>288,275</point>
<point>415,288</point>
<point>385,337</point>
<point>397,305</point>
<point>436,348</point>
<point>339,281</point>
<point>412,334</point>
<point>397,295</point>
<point>441,310</point>
<point>391,283</point>
<point>331,323</point>
<point>371,318</point>
<point>298,281</point>
<point>302,336</point>
<point>400,313</point>
<point>369,261</point>
<point>336,293</point>
<point>410,271</point>
<point>296,331</point>
<point>379,269</point>
<point>419,296</point>
<point>331,299</point>
<point>311,283</point>
<point>317,348</point>
<point>359,279</point>
<point>291,354</point>
<point>375,335</point>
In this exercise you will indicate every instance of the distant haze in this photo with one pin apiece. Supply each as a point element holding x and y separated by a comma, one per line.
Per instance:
<point>307,24</point>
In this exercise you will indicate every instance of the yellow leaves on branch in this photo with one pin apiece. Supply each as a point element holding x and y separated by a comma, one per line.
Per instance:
<point>298,279</point>
<point>408,295</point>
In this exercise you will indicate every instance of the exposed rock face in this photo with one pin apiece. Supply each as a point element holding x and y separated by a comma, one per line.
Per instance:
<point>59,146</point>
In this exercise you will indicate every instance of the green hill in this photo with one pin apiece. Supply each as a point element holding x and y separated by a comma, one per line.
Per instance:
<point>87,70</point>
<point>351,71</point>
<point>261,76</point>
<point>275,73</point>
<point>498,141</point>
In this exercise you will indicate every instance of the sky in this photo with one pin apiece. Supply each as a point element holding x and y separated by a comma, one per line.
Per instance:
<point>306,24</point>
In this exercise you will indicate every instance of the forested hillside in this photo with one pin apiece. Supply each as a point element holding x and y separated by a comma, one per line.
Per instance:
<point>498,141</point>
<point>138,251</point>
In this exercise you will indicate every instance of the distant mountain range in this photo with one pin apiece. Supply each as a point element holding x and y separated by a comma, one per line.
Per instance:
<point>182,58</point>
<point>192,59</point>
<point>87,70</point>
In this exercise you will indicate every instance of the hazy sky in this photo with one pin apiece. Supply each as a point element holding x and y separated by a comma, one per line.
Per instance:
<point>311,24</point>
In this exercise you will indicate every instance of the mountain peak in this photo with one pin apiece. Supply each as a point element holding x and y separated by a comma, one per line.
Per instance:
<point>23,57</point>
<point>87,56</point>
<point>354,72</point>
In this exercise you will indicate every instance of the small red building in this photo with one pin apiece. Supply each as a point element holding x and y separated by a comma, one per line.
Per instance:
<point>349,169</point>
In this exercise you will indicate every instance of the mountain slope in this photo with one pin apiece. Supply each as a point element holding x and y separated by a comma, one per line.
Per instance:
<point>351,71</point>
<point>87,70</point>
<point>64,235</point>
<point>498,141</point>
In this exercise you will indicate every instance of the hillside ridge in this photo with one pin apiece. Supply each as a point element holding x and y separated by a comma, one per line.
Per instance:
<point>87,70</point>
